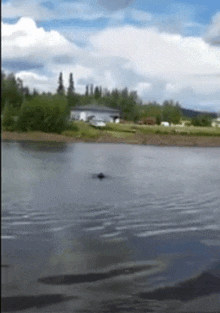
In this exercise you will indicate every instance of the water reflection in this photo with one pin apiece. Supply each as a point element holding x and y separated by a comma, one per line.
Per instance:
<point>52,147</point>
<point>125,270</point>
<point>203,285</point>
<point>149,228</point>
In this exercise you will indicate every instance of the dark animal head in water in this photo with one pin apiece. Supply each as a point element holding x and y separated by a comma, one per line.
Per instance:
<point>101,175</point>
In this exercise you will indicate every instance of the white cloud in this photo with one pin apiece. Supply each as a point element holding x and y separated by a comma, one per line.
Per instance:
<point>143,87</point>
<point>157,64</point>
<point>32,77</point>
<point>33,80</point>
<point>155,53</point>
<point>24,39</point>
<point>187,64</point>
<point>213,33</point>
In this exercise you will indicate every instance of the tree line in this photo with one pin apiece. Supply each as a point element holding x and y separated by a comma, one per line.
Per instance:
<point>30,110</point>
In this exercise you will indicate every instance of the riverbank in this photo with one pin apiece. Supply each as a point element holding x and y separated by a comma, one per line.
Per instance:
<point>136,138</point>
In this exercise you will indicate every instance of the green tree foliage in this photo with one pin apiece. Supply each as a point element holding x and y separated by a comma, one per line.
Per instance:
<point>152,109</point>
<point>44,113</point>
<point>112,99</point>
<point>87,91</point>
<point>71,88</point>
<point>8,122</point>
<point>97,93</point>
<point>11,89</point>
<point>171,112</point>
<point>60,89</point>
<point>39,111</point>
<point>202,120</point>
<point>128,105</point>
<point>35,93</point>
<point>72,97</point>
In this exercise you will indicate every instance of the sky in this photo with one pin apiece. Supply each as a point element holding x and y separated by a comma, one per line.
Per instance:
<point>163,49</point>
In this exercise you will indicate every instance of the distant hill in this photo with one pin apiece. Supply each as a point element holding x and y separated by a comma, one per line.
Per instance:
<point>192,113</point>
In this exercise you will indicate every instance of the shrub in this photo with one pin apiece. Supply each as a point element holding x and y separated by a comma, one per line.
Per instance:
<point>203,120</point>
<point>44,113</point>
<point>72,127</point>
<point>188,124</point>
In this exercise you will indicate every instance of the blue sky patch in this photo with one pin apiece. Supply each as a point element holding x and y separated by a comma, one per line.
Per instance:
<point>16,65</point>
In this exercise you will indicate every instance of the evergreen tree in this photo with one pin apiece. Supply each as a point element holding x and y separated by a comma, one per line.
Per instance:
<point>124,93</point>
<point>97,93</point>
<point>11,89</point>
<point>87,91</point>
<point>19,84</point>
<point>71,88</point>
<point>72,97</point>
<point>60,89</point>
<point>35,93</point>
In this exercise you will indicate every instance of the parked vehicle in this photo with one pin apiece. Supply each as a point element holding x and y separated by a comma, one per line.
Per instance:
<point>97,123</point>
<point>165,124</point>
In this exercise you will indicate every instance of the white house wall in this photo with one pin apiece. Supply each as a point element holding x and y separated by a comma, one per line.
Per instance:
<point>84,115</point>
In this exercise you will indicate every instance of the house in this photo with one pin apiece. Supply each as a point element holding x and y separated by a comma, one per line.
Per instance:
<point>97,112</point>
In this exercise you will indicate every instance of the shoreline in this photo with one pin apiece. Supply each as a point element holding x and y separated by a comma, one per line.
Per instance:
<point>149,139</point>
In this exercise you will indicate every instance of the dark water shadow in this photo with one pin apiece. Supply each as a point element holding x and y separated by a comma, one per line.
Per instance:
<point>203,285</point>
<point>100,176</point>
<point>10,304</point>
<point>93,277</point>
<point>5,266</point>
<point>41,146</point>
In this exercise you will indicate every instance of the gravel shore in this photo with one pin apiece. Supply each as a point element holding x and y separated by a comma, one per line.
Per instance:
<point>150,139</point>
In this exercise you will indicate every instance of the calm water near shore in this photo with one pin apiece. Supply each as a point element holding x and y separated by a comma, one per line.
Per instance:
<point>136,240</point>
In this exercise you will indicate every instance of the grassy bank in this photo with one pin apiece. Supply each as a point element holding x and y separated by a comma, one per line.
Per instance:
<point>163,130</point>
<point>128,133</point>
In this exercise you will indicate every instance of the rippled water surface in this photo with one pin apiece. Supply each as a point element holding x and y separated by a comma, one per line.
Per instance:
<point>76,243</point>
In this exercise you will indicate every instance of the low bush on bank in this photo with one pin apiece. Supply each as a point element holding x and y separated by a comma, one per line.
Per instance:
<point>43,113</point>
<point>183,131</point>
<point>82,130</point>
<point>71,126</point>
<point>129,127</point>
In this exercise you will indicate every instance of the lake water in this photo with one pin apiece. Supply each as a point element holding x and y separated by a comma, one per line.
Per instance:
<point>134,241</point>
